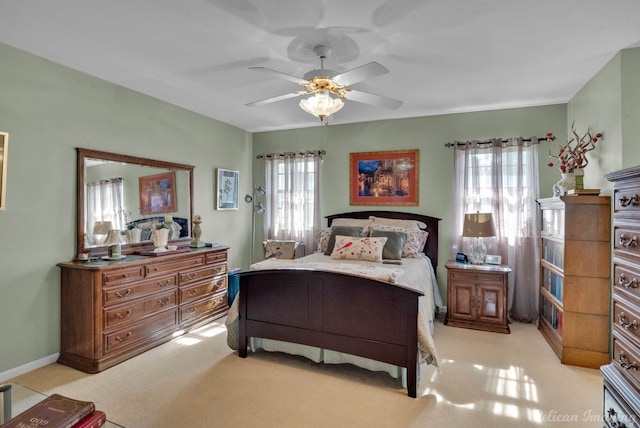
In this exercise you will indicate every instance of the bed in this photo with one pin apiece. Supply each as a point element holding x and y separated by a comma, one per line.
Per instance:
<point>367,313</point>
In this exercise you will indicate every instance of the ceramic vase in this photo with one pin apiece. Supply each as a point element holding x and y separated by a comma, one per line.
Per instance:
<point>160,238</point>
<point>133,235</point>
<point>566,183</point>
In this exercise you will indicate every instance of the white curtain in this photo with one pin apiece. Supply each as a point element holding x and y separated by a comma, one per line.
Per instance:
<point>501,177</point>
<point>105,203</point>
<point>292,199</point>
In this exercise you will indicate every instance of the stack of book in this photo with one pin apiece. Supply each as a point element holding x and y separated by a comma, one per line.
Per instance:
<point>58,411</point>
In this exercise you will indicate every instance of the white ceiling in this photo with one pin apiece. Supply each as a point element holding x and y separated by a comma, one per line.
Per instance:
<point>444,56</point>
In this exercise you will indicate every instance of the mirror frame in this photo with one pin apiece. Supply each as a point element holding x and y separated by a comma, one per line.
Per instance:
<point>83,154</point>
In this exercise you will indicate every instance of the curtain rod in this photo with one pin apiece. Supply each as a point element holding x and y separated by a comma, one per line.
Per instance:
<point>490,142</point>
<point>308,152</point>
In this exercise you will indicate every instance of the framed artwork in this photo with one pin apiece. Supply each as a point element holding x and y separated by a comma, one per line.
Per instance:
<point>158,193</point>
<point>227,194</point>
<point>384,178</point>
<point>4,144</point>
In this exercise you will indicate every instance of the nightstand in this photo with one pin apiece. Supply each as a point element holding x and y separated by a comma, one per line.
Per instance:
<point>477,296</point>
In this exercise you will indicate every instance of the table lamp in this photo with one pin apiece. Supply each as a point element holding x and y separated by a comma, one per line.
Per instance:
<point>114,241</point>
<point>100,230</point>
<point>477,226</point>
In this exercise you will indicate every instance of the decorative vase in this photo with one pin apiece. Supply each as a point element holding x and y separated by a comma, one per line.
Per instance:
<point>133,235</point>
<point>160,238</point>
<point>566,183</point>
<point>579,176</point>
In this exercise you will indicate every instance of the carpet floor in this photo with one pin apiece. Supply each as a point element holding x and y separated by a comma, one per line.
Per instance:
<point>486,380</point>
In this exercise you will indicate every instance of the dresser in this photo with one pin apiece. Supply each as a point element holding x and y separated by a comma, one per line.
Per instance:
<point>574,277</point>
<point>114,310</point>
<point>621,377</point>
<point>477,296</point>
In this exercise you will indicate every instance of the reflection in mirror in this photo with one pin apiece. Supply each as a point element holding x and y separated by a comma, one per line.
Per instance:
<point>131,195</point>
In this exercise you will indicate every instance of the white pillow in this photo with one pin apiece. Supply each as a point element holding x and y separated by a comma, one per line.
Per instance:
<point>323,240</point>
<point>406,224</point>
<point>413,245</point>
<point>351,248</point>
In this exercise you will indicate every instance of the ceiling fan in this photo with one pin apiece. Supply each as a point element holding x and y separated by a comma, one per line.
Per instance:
<point>321,83</point>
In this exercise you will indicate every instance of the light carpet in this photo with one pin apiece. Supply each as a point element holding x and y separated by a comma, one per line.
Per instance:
<point>487,380</point>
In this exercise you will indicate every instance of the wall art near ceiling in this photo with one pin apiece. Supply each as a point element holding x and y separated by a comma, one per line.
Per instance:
<point>4,144</point>
<point>227,195</point>
<point>158,193</point>
<point>384,178</point>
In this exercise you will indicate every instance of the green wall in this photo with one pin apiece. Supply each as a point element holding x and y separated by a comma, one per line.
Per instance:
<point>429,135</point>
<point>49,110</point>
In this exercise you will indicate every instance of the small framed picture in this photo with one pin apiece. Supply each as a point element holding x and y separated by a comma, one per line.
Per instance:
<point>227,194</point>
<point>493,260</point>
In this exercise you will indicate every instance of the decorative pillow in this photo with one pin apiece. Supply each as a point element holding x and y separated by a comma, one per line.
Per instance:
<point>323,240</point>
<point>344,231</point>
<point>279,249</point>
<point>413,244</point>
<point>351,248</point>
<point>405,224</point>
<point>395,240</point>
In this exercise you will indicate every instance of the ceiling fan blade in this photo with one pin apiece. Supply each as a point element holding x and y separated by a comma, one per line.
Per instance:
<point>361,73</point>
<point>279,74</point>
<point>274,99</point>
<point>376,100</point>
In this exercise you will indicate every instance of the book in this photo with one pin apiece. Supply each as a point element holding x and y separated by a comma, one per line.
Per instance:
<point>583,192</point>
<point>94,420</point>
<point>55,411</point>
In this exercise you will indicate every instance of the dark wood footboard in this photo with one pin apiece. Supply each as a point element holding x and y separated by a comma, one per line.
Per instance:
<point>346,313</point>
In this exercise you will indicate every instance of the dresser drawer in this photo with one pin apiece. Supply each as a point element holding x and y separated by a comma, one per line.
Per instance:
<point>616,413</point>
<point>140,308</point>
<point>195,292</point>
<point>626,357</point>
<point>157,268</point>
<point>212,258</point>
<point>141,331</point>
<point>203,309</point>
<point>626,281</point>
<point>625,240</point>
<point>122,275</point>
<point>193,276</point>
<point>627,320</point>
<point>626,201</point>
<point>116,295</point>
<point>473,277</point>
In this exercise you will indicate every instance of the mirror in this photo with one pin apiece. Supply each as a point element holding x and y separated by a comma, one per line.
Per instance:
<point>131,194</point>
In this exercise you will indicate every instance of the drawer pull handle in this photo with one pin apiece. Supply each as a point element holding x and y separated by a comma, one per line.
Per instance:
<point>192,275</point>
<point>164,283</point>
<point>191,311</point>
<point>122,339</point>
<point>625,241</point>
<point>624,282</point>
<point>611,413</point>
<point>192,293</point>
<point>625,202</point>
<point>126,293</point>
<point>622,320</point>
<point>627,366</point>
<point>119,315</point>
<point>163,302</point>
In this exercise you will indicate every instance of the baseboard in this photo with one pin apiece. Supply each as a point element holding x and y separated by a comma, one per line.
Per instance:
<point>26,368</point>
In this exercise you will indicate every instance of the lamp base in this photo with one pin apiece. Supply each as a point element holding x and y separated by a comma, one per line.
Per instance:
<point>477,252</point>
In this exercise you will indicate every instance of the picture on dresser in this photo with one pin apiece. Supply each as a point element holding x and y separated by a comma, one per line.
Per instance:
<point>158,193</point>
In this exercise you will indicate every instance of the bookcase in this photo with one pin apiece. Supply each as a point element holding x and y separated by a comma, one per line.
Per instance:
<point>574,277</point>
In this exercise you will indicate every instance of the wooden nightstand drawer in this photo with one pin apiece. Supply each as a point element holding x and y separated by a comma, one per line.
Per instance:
<point>474,277</point>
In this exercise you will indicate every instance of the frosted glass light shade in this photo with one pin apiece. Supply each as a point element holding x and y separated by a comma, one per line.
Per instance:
<point>321,105</point>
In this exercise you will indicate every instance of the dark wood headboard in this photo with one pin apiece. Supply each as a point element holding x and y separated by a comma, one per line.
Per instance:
<point>430,249</point>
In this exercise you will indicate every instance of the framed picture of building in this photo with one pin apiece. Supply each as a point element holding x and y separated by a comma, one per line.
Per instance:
<point>384,178</point>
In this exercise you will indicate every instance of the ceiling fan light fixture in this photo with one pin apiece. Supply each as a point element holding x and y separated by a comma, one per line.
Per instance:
<point>321,105</point>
